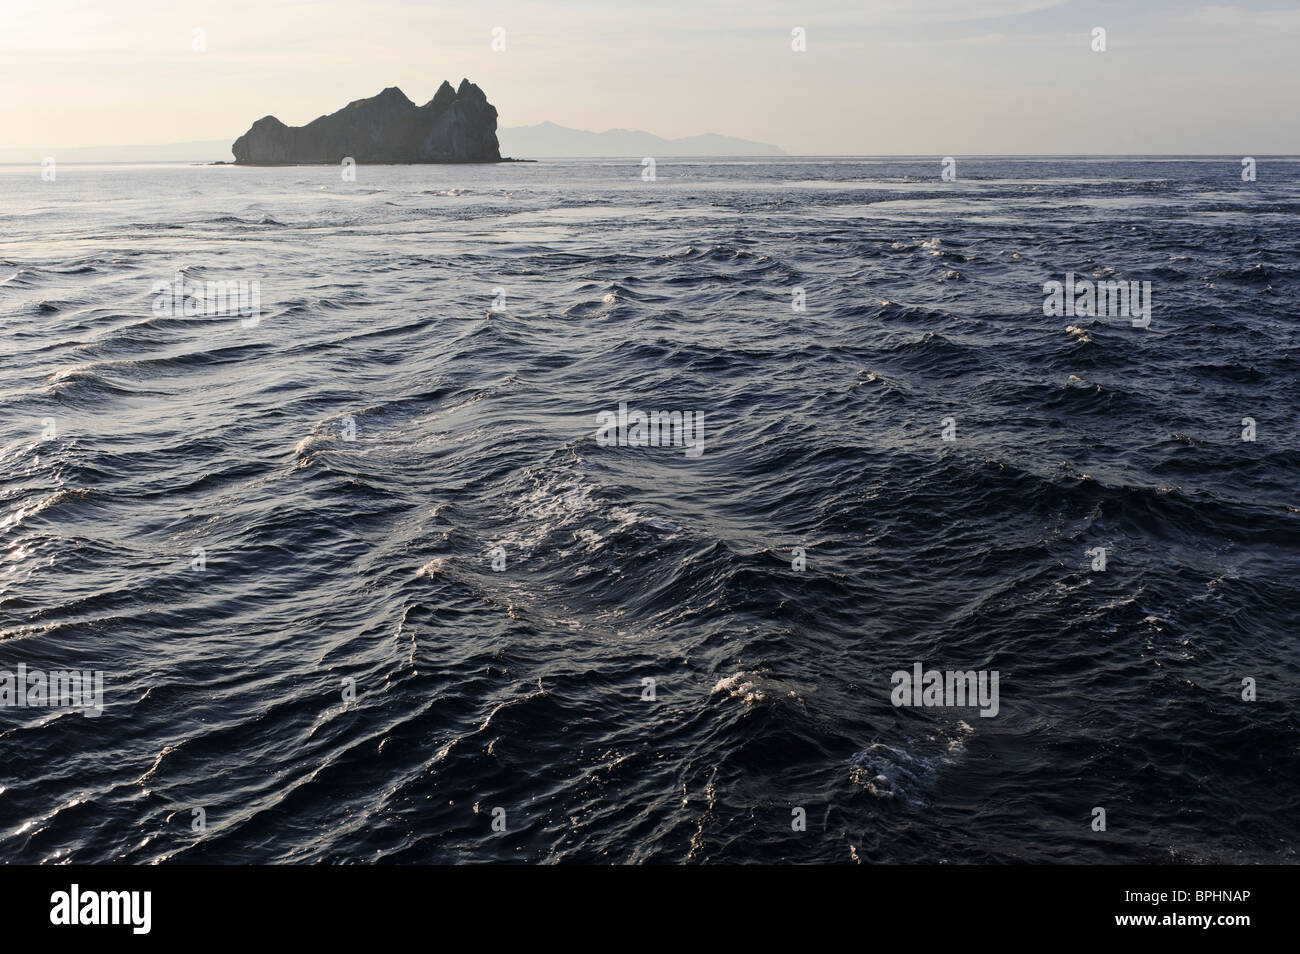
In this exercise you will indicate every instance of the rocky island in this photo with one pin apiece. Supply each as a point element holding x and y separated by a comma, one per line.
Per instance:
<point>457,125</point>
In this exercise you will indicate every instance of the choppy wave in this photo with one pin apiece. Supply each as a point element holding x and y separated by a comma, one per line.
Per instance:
<point>360,573</point>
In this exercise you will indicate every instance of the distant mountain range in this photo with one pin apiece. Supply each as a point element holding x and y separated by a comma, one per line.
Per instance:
<point>550,140</point>
<point>545,140</point>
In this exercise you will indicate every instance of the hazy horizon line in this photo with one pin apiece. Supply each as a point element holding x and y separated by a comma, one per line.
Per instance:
<point>767,158</point>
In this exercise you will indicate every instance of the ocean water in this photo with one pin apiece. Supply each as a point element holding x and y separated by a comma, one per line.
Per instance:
<point>362,578</point>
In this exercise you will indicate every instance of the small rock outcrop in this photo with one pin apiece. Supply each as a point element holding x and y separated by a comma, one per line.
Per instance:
<point>457,125</point>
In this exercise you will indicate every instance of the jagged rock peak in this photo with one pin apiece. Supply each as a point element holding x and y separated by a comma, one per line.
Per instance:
<point>457,125</point>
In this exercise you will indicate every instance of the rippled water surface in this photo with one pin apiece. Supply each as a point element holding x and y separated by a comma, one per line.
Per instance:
<point>346,467</point>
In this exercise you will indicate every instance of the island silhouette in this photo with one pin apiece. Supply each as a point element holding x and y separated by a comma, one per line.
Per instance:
<point>457,125</point>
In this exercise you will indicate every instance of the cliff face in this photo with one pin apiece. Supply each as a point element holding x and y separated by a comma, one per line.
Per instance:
<point>457,125</point>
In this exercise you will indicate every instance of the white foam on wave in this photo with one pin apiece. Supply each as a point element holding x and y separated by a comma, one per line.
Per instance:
<point>904,771</point>
<point>564,502</point>
<point>434,568</point>
<point>756,688</point>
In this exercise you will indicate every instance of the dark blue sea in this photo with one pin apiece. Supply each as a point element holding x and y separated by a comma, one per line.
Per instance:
<point>364,583</point>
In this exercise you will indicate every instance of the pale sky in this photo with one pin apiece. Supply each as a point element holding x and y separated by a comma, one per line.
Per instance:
<point>943,77</point>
